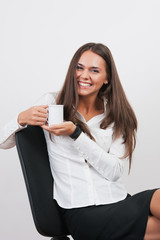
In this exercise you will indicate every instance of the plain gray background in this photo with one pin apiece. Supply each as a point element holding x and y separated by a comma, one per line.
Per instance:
<point>37,41</point>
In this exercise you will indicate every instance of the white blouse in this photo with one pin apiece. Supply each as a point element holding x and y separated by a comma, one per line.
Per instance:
<point>78,182</point>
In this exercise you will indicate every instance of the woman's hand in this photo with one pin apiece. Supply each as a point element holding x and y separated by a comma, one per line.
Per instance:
<point>36,115</point>
<point>65,128</point>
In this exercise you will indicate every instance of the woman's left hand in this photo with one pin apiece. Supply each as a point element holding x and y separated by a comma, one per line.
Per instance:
<point>65,128</point>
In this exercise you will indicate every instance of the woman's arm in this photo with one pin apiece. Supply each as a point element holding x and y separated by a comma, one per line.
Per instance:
<point>109,164</point>
<point>35,115</point>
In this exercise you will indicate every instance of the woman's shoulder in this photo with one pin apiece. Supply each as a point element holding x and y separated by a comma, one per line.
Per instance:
<point>47,98</point>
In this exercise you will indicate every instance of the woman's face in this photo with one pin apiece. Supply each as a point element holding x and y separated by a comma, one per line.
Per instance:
<point>91,74</point>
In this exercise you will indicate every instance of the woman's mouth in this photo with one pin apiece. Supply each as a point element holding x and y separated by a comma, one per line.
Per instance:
<point>84,85</point>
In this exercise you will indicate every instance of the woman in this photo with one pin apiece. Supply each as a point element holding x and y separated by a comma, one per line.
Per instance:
<point>89,150</point>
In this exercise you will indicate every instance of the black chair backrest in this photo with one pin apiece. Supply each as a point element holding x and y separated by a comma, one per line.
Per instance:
<point>32,150</point>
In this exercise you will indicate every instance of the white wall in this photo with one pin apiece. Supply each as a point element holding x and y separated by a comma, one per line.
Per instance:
<point>37,41</point>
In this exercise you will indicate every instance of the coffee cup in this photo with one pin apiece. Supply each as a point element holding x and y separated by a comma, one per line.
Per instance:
<point>55,114</point>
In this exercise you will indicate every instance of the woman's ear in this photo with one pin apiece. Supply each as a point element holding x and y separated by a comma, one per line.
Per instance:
<point>105,82</point>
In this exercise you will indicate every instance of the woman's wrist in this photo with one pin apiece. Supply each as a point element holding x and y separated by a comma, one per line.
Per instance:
<point>20,119</point>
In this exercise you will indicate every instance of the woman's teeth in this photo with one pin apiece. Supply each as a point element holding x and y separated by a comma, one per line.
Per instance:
<point>84,84</point>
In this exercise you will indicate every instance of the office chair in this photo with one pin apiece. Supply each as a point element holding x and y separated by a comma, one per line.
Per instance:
<point>33,155</point>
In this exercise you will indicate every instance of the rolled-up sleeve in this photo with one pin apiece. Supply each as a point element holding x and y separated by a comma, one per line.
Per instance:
<point>7,133</point>
<point>108,164</point>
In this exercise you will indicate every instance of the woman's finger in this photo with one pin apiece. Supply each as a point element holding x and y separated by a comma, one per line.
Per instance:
<point>46,128</point>
<point>41,119</point>
<point>58,126</point>
<point>42,108</point>
<point>42,115</point>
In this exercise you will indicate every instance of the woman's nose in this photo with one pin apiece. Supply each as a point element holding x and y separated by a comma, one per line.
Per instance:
<point>85,74</point>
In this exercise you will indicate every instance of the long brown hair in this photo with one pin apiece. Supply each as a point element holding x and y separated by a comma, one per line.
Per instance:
<point>118,111</point>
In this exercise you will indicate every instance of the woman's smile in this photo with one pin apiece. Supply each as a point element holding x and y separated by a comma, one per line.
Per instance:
<point>84,85</point>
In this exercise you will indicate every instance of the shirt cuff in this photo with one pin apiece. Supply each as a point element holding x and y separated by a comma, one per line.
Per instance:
<point>7,132</point>
<point>20,126</point>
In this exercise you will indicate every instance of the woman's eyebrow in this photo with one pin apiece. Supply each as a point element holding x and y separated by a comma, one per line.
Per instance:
<point>93,67</point>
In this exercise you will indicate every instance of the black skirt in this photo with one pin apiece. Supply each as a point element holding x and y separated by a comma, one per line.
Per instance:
<point>124,220</point>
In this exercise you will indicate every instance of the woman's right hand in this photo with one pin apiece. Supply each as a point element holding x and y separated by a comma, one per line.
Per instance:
<point>35,115</point>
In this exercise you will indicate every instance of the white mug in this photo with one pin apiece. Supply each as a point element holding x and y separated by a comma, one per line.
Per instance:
<point>55,114</point>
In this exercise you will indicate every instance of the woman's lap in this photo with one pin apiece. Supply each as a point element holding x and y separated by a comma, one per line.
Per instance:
<point>124,220</point>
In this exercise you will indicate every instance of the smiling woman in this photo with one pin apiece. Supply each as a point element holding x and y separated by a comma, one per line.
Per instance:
<point>89,152</point>
<point>93,64</point>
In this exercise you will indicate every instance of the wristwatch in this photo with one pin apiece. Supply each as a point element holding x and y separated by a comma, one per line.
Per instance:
<point>76,132</point>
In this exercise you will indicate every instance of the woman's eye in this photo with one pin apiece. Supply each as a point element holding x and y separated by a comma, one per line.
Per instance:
<point>96,71</point>
<point>79,68</point>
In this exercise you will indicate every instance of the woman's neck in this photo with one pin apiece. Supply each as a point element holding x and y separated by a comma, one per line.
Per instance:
<point>90,105</point>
